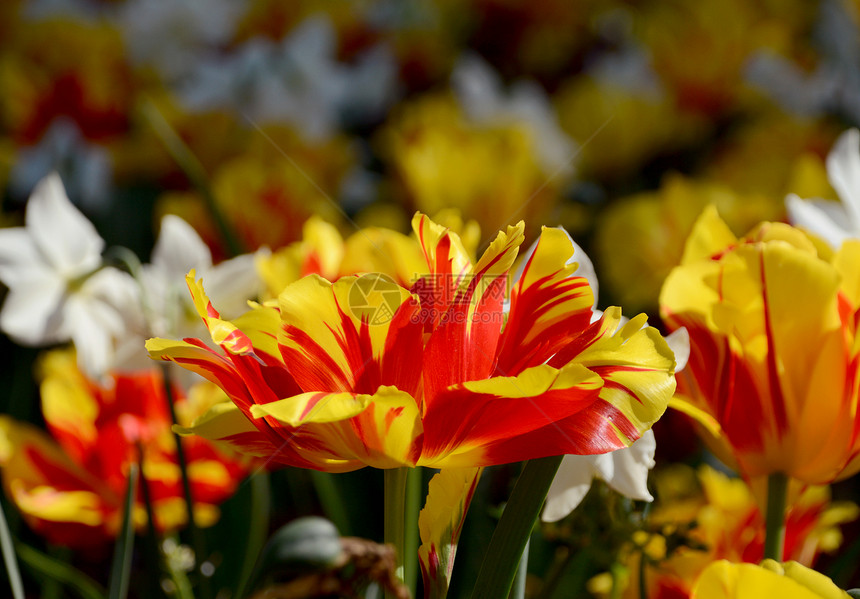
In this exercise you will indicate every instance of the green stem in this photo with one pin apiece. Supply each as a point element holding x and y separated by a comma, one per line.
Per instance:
<point>331,500</point>
<point>514,528</point>
<point>46,565</point>
<point>774,540</point>
<point>619,575</point>
<point>195,172</point>
<point>395,515</point>
<point>412,508</point>
<point>519,590</point>
<point>643,575</point>
<point>8,547</point>
<point>258,528</point>
<point>569,571</point>
<point>152,554</point>
<point>195,532</point>
<point>124,548</point>
<point>52,588</point>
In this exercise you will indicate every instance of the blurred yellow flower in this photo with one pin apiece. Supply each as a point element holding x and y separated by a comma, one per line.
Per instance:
<point>724,580</point>
<point>639,239</point>
<point>490,172</point>
<point>624,128</point>
<point>787,153</point>
<point>717,38</point>
<point>270,189</point>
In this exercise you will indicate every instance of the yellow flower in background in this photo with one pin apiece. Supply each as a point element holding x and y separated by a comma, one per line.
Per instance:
<point>490,173</point>
<point>773,347</point>
<point>625,128</point>
<point>268,191</point>
<point>717,38</point>
<point>69,484</point>
<point>718,519</point>
<point>773,154</point>
<point>724,580</point>
<point>639,239</point>
<point>213,137</point>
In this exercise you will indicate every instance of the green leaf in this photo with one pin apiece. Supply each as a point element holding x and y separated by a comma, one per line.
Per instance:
<point>51,567</point>
<point>8,548</point>
<point>258,528</point>
<point>515,526</point>
<point>121,567</point>
<point>331,499</point>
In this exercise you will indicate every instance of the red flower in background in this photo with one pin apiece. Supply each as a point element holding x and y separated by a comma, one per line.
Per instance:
<point>70,488</point>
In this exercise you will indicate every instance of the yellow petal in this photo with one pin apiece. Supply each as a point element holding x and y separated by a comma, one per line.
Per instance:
<point>440,524</point>
<point>724,580</point>
<point>710,235</point>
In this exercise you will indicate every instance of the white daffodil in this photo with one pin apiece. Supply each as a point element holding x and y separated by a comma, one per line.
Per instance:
<point>179,248</point>
<point>58,290</point>
<point>298,81</point>
<point>832,221</point>
<point>625,470</point>
<point>833,85</point>
<point>174,35</point>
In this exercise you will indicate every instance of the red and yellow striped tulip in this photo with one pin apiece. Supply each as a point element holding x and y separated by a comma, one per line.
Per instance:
<point>773,321</point>
<point>70,485</point>
<point>361,371</point>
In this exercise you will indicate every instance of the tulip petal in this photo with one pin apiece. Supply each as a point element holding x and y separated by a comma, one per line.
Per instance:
<point>463,345</point>
<point>466,423</point>
<point>382,430</point>
<point>549,307</point>
<point>440,524</point>
<point>724,580</point>
<point>334,336</point>
<point>56,496</point>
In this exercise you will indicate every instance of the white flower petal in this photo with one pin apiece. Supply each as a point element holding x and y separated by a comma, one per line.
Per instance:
<point>67,240</point>
<point>843,171</point>
<point>31,313</point>
<point>625,470</point>
<point>179,249</point>
<point>119,291</point>
<point>90,327</point>
<point>569,487</point>
<point>631,466</point>
<point>822,218</point>
<point>679,343</point>
<point>231,284</point>
<point>19,256</point>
